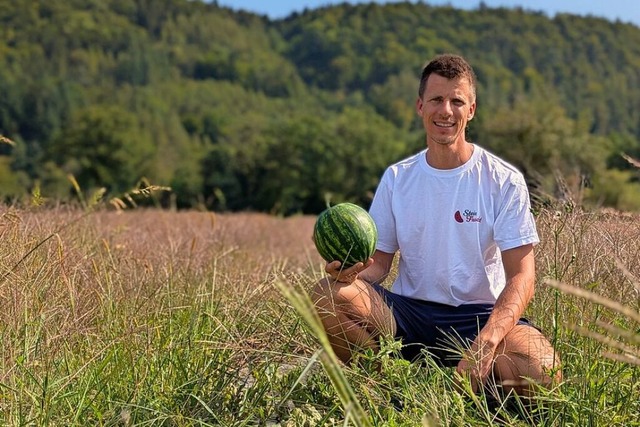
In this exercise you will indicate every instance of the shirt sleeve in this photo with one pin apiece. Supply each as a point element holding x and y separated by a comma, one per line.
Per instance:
<point>382,213</point>
<point>515,225</point>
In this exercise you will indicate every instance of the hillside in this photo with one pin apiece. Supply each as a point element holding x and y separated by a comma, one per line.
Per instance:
<point>238,112</point>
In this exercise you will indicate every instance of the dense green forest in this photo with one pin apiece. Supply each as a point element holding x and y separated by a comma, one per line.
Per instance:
<point>235,111</point>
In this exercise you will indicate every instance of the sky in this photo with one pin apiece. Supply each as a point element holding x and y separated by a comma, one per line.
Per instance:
<point>624,10</point>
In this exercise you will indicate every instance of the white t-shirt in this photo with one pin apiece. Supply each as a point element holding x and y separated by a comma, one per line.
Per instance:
<point>450,226</point>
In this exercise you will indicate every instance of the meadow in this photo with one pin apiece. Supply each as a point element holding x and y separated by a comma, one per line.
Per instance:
<point>148,317</point>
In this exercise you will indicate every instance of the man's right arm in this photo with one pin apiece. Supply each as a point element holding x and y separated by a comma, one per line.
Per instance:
<point>379,270</point>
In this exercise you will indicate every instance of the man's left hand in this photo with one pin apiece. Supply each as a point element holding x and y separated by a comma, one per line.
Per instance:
<point>477,363</point>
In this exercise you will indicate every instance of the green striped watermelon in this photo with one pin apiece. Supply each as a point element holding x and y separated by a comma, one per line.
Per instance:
<point>346,233</point>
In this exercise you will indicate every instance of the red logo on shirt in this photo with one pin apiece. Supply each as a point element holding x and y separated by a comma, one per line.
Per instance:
<point>467,215</point>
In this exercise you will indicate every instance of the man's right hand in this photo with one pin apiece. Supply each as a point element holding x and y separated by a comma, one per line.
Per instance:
<point>347,275</point>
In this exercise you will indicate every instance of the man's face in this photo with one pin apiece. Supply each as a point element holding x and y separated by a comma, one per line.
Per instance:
<point>446,107</point>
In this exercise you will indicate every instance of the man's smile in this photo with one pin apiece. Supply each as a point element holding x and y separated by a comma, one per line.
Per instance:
<point>444,124</point>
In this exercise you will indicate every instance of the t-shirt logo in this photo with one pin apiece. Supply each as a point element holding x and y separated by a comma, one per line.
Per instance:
<point>467,215</point>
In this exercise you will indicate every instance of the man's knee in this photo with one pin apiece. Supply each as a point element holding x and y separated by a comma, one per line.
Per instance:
<point>331,299</point>
<point>328,293</point>
<point>550,367</point>
<point>324,296</point>
<point>527,359</point>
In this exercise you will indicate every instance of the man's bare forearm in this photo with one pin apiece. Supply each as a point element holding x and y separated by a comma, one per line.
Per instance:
<point>509,308</point>
<point>516,296</point>
<point>379,270</point>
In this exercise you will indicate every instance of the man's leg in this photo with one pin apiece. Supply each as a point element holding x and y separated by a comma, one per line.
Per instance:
<point>526,356</point>
<point>354,316</point>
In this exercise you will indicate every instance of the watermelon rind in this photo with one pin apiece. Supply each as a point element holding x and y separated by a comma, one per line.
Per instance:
<point>345,232</point>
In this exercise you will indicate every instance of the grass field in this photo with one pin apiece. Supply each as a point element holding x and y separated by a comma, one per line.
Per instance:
<point>151,317</point>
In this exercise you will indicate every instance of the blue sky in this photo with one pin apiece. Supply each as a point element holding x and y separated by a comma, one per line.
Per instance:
<point>624,10</point>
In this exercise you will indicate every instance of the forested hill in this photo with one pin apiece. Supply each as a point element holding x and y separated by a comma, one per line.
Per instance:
<point>238,112</point>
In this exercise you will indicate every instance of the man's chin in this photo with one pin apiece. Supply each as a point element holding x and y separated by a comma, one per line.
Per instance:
<point>443,141</point>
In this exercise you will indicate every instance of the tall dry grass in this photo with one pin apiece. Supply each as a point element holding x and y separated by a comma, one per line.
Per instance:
<point>108,304</point>
<point>150,317</point>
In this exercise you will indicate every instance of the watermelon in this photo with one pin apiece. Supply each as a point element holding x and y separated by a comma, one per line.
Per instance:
<point>345,232</point>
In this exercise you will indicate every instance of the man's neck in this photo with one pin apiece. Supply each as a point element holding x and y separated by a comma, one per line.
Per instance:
<point>449,156</point>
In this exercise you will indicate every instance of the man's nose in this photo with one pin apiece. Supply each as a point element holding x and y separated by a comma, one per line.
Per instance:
<point>445,108</point>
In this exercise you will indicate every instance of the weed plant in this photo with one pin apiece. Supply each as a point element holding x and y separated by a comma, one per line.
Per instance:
<point>151,317</point>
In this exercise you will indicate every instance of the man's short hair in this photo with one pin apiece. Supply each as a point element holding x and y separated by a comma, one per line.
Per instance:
<point>449,66</point>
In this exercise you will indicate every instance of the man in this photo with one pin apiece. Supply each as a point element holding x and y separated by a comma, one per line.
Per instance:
<point>460,219</point>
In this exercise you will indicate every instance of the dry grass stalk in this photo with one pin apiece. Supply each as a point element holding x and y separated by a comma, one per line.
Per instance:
<point>593,297</point>
<point>631,160</point>
<point>5,140</point>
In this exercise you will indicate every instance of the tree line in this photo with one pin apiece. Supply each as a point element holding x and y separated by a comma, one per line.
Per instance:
<point>235,111</point>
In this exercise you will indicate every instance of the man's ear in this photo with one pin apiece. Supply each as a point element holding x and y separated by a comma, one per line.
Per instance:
<point>472,111</point>
<point>419,105</point>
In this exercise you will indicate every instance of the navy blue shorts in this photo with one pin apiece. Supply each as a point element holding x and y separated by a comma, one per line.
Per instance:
<point>442,330</point>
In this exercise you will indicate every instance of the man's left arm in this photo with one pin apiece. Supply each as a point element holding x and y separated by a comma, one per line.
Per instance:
<point>519,265</point>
